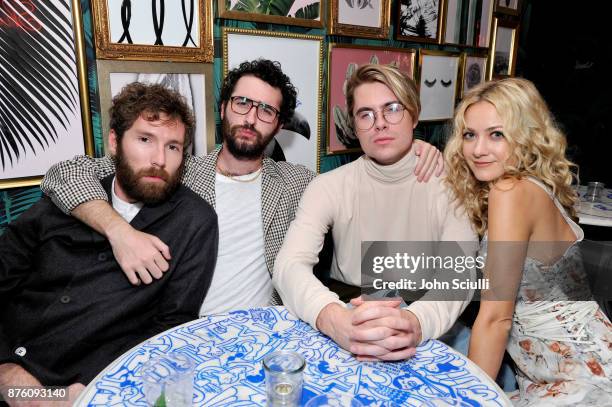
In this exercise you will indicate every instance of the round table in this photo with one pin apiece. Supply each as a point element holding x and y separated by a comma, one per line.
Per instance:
<point>229,348</point>
<point>595,213</point>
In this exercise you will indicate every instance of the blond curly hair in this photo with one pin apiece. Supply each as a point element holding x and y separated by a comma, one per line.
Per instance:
<point>537,145</point>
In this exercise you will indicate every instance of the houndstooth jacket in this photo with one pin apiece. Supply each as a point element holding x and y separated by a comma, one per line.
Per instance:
<point>71,183</point>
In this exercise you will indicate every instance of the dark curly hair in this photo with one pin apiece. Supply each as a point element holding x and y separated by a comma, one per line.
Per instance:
<point>269,72</point>
<point>149,100</point>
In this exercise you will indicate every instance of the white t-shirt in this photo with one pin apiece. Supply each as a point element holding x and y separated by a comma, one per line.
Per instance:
<point>241,279</point>
<point>128,211</point>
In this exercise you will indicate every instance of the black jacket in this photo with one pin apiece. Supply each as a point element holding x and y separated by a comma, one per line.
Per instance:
<point>66,308</point>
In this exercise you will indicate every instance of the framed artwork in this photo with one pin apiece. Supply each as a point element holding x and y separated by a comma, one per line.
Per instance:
<point>342,61</point>
<point>419,20</point>
<point>360,18</point>
<point>438,84</point>
<point>512,7</point>
<point>301,59</point>
<point>307,13</point>
<point>194,81</point>
<point>474,71</point>
<point>150,31</point>
<point>468,22</point>
<point>44,107</point>
<point>504,47</point>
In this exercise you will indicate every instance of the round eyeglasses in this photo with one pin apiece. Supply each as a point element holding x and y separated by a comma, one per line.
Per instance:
<point>393,113</point>
<point>243,105</point>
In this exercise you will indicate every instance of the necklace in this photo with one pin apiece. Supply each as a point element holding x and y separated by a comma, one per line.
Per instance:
<point>235,177</point>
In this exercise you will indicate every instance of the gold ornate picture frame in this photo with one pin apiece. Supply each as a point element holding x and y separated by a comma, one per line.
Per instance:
<point>360,18</point>
<point>275,11</point>
<point>47,116</point>
<point>301,59</point>
<point>194,81</point>
<point>504,48</point>
<point>138,30</point>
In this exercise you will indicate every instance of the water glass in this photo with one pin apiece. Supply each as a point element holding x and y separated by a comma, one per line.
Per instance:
<point>594,191</point>
<point>284,378</point>
<point>334,400</point>
<point>168,380</point>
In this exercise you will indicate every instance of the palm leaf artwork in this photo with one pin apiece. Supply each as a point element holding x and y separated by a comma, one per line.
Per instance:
<point>274,8</point>
<point>38,80</point>
<point>14,202</point>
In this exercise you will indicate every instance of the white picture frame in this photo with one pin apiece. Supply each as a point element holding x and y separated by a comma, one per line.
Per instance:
<point>301,59</point>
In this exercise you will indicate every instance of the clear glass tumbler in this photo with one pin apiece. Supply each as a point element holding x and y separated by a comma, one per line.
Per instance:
<point>284,378</point>
<point>168,380</point>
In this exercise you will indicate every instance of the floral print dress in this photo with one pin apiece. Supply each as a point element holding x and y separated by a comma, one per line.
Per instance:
<point>562,348</point>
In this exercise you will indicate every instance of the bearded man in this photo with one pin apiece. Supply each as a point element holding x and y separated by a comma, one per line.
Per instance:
<point>255,197</point>
<point>66,310</point>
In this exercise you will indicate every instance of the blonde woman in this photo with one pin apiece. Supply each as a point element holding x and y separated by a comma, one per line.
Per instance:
<point>507,167</point>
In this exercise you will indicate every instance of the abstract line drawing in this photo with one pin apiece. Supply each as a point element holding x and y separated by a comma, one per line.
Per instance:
<point>126,17</point>
<point>40,107</point>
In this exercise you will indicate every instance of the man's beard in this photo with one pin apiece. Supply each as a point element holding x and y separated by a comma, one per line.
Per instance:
<point>241,149</point>
<point>150,193</point>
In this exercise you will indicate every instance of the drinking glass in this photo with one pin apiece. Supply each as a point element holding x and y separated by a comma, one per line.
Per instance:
<point>284,378</point>
<point>168,380</point>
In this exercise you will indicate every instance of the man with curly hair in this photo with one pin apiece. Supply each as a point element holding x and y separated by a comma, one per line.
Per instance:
<point>66,311</point>
<point>255,197</point>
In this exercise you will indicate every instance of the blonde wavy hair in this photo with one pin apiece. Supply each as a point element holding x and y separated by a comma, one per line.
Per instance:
<point>537,145</point>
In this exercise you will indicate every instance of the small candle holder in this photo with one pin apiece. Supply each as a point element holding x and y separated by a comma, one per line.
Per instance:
<point>284,378</point>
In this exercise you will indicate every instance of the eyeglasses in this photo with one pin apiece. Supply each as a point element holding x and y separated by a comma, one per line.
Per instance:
<point>393,113</point>
<point>243,105</point>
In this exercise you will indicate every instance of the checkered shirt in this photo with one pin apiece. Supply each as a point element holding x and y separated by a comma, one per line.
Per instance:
<point>71,183</point>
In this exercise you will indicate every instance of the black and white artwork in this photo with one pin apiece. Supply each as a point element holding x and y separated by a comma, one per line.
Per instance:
<point>438,86</point>
<point>474,72</point>
<point>419,20</point>
<point>40,102</point>
<point>157,22</point>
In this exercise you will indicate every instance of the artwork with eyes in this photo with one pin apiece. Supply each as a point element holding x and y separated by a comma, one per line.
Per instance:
<point>438,85</point>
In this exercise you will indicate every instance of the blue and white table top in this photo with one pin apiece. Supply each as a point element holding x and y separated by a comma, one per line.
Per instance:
<point>229,348</point>
<point>597,213</point>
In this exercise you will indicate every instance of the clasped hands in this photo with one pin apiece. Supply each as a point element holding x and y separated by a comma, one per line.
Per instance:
<point>372,330</point>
